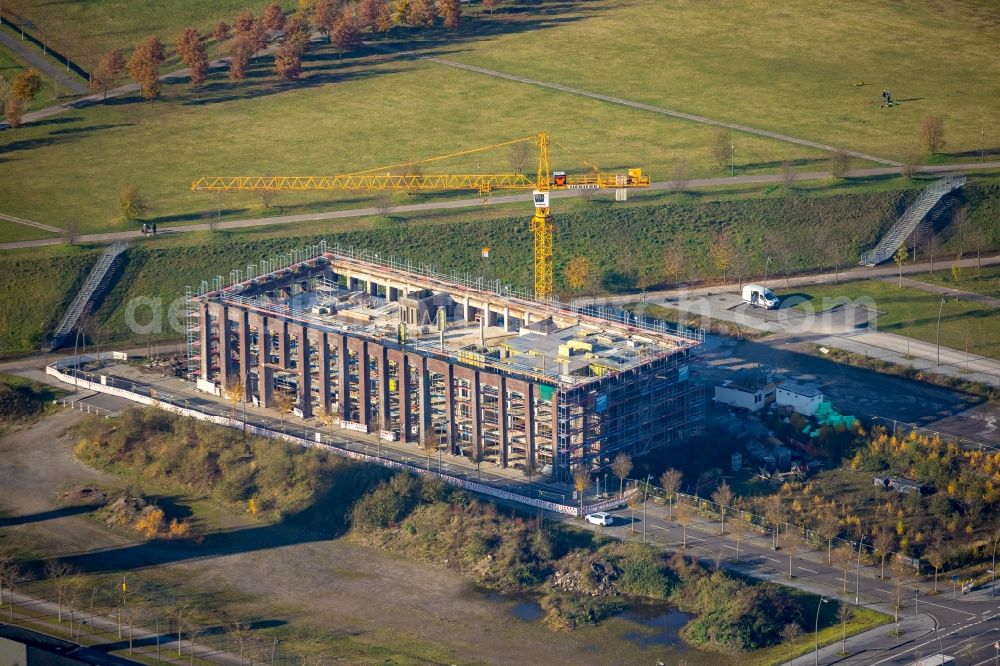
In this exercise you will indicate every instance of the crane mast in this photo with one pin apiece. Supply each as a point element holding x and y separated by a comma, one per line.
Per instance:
<point>381,179</point>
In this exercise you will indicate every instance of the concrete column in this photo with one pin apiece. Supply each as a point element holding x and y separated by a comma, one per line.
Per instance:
<point>206,341</point>
<point>529,420</point>
<point>527,318</point>
<point>468,309</point>
<point>344,381</point>
<point>281,326</point>
<point>264,372</point>
<point>423,397</point>
<point>502,416</point>
<point>324,370</point>
<point>360,347</point>
<point>220,315</point>
<point>305,378</point>
<point>477,410</point>
<point>449,402</point>
<point>486,313</point>
<point>381,358</point>
<point>244,333</point>
<point>506,319</point>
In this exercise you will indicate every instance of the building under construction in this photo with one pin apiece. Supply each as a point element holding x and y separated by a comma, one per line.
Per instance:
<point>466,367</point>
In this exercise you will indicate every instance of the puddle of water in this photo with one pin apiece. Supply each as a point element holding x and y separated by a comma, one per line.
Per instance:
<point>655,625</point>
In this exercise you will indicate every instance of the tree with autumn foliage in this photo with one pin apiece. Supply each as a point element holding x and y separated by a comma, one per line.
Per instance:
<point>192,51</point>
<point>578,272</point>
<point>274,18</point>
<point>244,22</point>
<point>26,85</point>
<point>144,67</point>
<point>400,12</point>
<point>368,13</point>
<point>288,57</point>
<point>13,111</point>
<point>491,5</point>
<point>109,69</point>
<point>423,13</point>
<point>239,59</point>
<point>325,15</point>
<point>222,32</point>
<point>345,36</point>
<point>451,13</point>
<point>383,21</point>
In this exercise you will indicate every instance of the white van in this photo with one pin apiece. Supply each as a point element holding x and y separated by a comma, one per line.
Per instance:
<point>757,296</point>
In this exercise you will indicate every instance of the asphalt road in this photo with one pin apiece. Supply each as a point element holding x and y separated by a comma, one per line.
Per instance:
<point>963,623</point>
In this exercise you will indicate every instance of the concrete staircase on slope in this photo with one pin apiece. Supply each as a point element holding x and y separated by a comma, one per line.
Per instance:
<point>95,281</point>
<point>909,220</point>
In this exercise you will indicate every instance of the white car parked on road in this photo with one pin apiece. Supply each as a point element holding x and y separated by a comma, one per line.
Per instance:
<point>600,518</point>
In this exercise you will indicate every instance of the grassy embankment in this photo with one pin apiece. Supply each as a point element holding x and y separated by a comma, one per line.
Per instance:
<point>626,244</point>
<point>914,313</point>
<point>583,578</point>
<point>616,238</point>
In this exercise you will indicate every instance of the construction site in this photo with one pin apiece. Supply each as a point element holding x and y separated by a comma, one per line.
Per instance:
<point>467,368</point>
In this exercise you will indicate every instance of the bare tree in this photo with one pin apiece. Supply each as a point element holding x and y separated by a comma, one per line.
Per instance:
<point>787,174</point>
<point>383,204</point>
<point>684,514</point>
<point>843,559</point>
<point>840,162</point>
<point>791,541</point>
<point>931,133</point>
<point>634,502</point>
<point>723,496</point>
<point>722,147</point>
<point>670,481</point>
<point>884,542</point>
<point>71,231</point>
<point>937,555</point>
<point>59,573</point>
<point>738,528</point>
<point>680,175</point>
<point>829,528</point>
<point>621,466</point>
<point>284,401</point>
<point>519,155</point>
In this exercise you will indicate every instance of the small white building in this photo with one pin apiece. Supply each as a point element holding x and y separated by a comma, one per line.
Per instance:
<point>802,398</point>
<point>744,397</point>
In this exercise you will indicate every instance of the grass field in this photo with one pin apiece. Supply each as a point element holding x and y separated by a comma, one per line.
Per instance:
<point>984,281</point>
<point>324,125</point>
<point>914,313</point>
<point>92,28</point>
<point>791,69</point>
<point>11,231</point>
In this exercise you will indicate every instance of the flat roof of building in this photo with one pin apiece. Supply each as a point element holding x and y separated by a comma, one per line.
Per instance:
<point>561,345</point>
<point>805,389</point>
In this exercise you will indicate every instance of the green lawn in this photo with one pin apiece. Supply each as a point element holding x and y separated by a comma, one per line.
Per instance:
<point>11,231</point>
<point>792,68</point>
<point>914,313</point>
<point>862,619</point>
<point>323,125</point>
<point>984,281</point>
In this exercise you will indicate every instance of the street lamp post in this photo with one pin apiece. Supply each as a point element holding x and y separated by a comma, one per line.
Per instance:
<point>732,158</point>
<point>857,574</point>
<point>993,574</point>
<point>938,335</point>
<point>819,605</point>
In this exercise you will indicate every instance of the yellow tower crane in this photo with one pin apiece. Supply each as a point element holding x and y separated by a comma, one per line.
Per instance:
<point>388,178</point>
